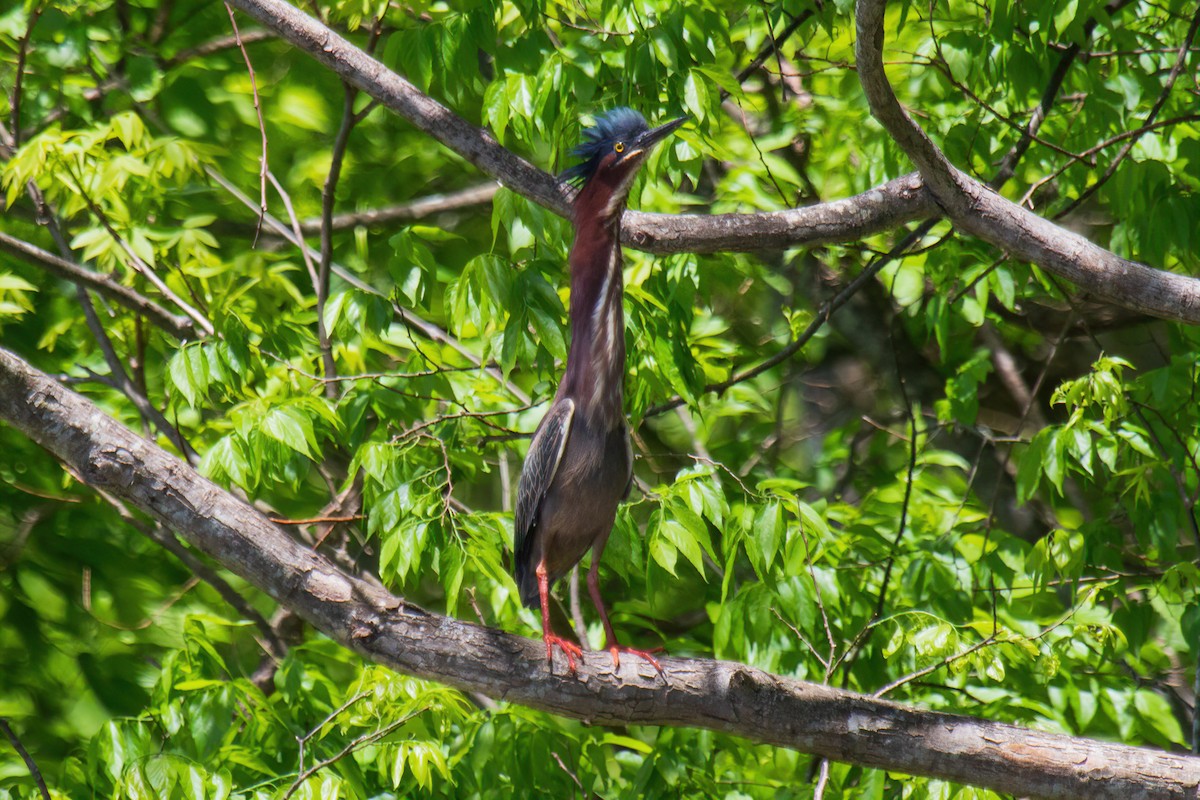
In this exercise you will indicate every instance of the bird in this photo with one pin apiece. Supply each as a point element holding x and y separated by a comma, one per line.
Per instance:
<point>580,463</point>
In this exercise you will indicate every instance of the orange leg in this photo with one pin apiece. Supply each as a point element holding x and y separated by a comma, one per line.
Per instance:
<point>593,582</point>
<point>569,648</point>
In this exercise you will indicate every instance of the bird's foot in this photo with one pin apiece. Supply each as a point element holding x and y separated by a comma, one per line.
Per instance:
<point>617,649</point>
<point>569,648</point>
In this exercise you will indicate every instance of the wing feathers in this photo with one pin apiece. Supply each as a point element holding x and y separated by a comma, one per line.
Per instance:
<point>541,465</point>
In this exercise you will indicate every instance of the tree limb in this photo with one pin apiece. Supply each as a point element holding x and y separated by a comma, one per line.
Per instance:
<point>179,326</point>
<point>722,696</point>
<point>973,208</point>
<point>412,209</point>
<point>874,211</point>
<point>981,212</point>
<point>34,772</point>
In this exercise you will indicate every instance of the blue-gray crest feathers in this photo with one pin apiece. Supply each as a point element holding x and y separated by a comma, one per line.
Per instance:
<point>622,124</point>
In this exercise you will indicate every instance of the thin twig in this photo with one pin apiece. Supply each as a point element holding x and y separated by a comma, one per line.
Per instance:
<point>167,540</point>
<point>1088,154</point>
<point>1176,70</point>
<point>238,39</point>
<point>30,764</point>
<point>1008,164</point>
<point>822,780</point>
<point>328,198</point>
<point>180,327</point>
<point>823,314</point>
<point>146,621</point>
<point>330,717</point>
<point>410,319</point>
<point>576,607</point>
<point>558,759</point>
<point>365,739</point>
<point>135,261</point>
<point>123,383</point>
<point>262,127</point>
<point>22,51</point>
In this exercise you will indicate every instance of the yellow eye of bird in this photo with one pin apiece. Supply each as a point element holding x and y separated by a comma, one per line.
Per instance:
<point>619,147</point>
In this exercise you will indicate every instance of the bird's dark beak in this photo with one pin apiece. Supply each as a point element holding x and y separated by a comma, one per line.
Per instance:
<point>645,143</point>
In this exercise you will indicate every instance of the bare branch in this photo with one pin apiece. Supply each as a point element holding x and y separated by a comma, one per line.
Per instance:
<point>716,695</point>
<point>22,52</point>
<point>413,209</point>
<point>979,211</point>
<point>262,127</point>
<point>178,326</point>
<point>30,764</point>
<point>328,198</point>
<point>238,40</point>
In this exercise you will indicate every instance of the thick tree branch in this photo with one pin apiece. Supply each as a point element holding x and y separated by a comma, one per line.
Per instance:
<point>720,696</point>
<point>179,326</point>
<point>877,210</point>
<point>979,211</point>
<point>852,219</point>
<point>973,208</point>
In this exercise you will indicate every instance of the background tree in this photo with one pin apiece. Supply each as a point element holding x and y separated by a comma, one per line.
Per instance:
<point>885,443</point>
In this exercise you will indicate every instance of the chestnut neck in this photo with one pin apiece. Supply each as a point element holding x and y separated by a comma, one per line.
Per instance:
<point>595,371</point>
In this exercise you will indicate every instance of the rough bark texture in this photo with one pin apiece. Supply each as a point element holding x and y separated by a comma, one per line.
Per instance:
<point>718,695</point>
<point>855,218</point>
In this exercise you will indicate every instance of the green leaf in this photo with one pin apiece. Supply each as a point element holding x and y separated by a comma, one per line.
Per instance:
<point>695,95</point>
<point>288,426</point>
<point>1157,719</point>
<point>767,534</point>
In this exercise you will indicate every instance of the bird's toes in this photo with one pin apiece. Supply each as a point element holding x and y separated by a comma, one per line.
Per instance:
<point>646,655</point>
<point>569,649</point>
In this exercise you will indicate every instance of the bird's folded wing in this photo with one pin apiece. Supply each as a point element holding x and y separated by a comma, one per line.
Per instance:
<point>541,465</point>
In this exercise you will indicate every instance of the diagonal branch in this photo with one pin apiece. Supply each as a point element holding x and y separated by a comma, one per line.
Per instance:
<point>179,326</point>
<point>360,70</point>
<point>981,212</point>
<point>973,208</point>
<point>717,695</point>
<point>1176,70</point>
<point>1008,165</point>
<point>413,209</point>
<point>34,772</point>
<point>875,211</point>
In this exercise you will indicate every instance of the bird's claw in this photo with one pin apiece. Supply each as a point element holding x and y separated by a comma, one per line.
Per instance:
<point>617,649</point>
<point>569,648</point>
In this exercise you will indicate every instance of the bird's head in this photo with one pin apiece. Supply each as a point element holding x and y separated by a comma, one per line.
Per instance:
<point>613,149</point>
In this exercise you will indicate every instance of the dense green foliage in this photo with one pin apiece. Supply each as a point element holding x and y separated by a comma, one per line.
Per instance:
<point>882,510</point>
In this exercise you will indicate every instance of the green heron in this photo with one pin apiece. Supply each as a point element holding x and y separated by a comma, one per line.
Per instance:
<point>580,464</point>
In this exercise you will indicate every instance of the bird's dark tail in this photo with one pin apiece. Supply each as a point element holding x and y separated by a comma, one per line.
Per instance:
<point>527,583</point>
